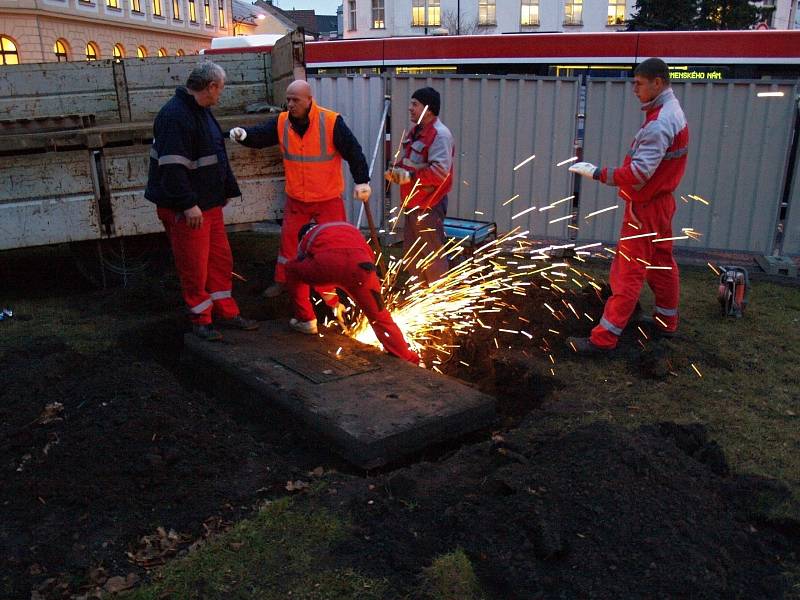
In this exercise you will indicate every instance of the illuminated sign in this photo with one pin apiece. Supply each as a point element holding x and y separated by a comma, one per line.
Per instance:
<point>684,72</point>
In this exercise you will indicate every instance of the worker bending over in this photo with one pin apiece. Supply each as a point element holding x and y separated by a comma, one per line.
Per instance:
<point>651,172</point>
<point>336,255</point>
<point>313,141</point>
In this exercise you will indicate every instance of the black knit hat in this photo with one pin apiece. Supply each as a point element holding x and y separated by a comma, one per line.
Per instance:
<point>429,97</point>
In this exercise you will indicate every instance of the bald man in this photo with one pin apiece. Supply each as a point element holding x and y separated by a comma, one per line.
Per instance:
<point>313,141</point>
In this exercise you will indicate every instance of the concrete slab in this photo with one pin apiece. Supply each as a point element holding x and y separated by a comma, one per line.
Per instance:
<point>373,408</point>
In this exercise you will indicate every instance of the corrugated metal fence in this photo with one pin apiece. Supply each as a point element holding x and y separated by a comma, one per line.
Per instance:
<point>497,123</point>
<point>360,102</point>
<point>738,153</point>
<point>738,157</point>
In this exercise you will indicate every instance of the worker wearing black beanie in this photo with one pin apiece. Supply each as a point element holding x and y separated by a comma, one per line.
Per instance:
<point>430,98</point>
<point>424,172</point>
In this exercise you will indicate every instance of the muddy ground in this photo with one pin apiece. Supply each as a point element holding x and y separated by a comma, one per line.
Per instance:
<point>596,512</point>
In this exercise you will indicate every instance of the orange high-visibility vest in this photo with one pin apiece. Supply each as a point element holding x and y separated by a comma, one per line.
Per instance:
<point>312,164</point>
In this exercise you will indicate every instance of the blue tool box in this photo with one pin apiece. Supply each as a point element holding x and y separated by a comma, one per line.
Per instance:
<point>476,232</point>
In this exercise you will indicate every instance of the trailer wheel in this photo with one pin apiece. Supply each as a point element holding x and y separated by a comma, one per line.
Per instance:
<point>120,261</point>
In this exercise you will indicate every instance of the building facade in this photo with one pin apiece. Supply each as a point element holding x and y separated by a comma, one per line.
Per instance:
<point>57,30</point>
<point>387,18</point>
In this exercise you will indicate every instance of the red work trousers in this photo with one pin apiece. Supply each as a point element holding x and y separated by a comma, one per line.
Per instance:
<point>340,268</point>
<point>629,274</point>
<point>295,215</point>
<point>204,263</point>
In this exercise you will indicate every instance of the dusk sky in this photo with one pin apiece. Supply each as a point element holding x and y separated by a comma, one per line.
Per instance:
<point>322,7</point>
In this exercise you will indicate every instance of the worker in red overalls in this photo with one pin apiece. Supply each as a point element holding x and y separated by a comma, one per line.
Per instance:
<point>336,255</point>
<point>425,176</point>
<point>649,175</point>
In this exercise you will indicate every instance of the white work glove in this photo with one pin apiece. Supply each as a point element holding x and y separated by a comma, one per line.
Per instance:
<point>238,134</point>
<point>584,169</point>
<point>362,192</point>
<point>398,175</point>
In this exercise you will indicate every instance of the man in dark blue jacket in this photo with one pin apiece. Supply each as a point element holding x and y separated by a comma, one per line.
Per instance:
<point>190,180</point>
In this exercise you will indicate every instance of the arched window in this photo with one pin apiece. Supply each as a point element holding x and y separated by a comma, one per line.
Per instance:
<point>180,53</point>
<point>92,53</point>
<point>8,51</point>
<point>162,52</point>
<point>119,51</point>
<point>141,52</point>
<point>60,50</point>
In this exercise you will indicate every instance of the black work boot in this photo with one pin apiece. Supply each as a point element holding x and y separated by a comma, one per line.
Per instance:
<point>239,322</point>
<point>584,347</point>
<point>206,332</point>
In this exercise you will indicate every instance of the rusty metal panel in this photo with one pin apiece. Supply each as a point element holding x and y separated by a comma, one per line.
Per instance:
<point>497,123</point>
<point>55,89</point>
<point>738,149</point>
<point>360,102</point>
<point>152,81</point>
<point>43,201</point>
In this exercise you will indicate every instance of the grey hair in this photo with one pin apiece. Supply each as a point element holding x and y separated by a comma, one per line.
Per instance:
<point>203,74</point>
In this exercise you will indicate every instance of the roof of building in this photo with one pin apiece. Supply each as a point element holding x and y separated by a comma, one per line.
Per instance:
<point>267,7</point>
<point>304,18</point>
<point>326,23</point>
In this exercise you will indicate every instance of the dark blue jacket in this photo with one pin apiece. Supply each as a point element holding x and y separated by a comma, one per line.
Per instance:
<point>185,167</point>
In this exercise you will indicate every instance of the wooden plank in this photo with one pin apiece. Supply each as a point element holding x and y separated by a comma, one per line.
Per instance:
<point>373,408</point>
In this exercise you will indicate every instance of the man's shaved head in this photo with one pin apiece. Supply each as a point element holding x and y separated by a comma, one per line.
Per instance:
<point>298,99</point>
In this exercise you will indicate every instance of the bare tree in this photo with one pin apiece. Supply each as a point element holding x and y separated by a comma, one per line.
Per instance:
<point>466,27</point>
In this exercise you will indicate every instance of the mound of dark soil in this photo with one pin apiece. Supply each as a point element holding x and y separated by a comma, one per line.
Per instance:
<point>131,449</point>
<point>598,512</point>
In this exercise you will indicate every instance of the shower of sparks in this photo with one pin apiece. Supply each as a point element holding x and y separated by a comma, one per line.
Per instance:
<point>696,370</point>
<point>634,237</point>
<point>671,239</point>
<point>560,219</point>
<point>713,268</point>
<point>510,200</point>
<point>526,211</point>
<point>556,203</point>
<point>422,114</point>
<point>565,162</point>
<point>602,210</point>
<point>526,161</point>
<point>699,199</point>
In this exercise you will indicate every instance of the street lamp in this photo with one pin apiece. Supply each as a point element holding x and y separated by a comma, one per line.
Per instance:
<point>250,19</point>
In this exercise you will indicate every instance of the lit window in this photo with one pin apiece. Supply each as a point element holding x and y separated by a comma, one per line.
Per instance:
<point>157,8</point>
<point>136,6</point>
<point>192,12</point>
<point>176,10</point>
<point>426,13</point>
<point>351,15</point>
<point>180,53</point>
<point>378,15</point>
<point>141,52</point>
<point>118,51</point>
<point>616,12</point>
<point>112,3</point>
<point>8,51</point>
<point>91,51</point>
<point>221,5</point>
<point>60,50</point>
<point>487,12</point>
<point>573,12</point>
<point>162,52</point>
<point>529,12</point>
<point>207,11</point>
